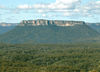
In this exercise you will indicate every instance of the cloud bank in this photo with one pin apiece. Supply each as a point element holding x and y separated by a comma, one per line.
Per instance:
<point>64,7</point>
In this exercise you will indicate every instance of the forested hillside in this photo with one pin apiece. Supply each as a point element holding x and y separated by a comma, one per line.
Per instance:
<point>51,34</point>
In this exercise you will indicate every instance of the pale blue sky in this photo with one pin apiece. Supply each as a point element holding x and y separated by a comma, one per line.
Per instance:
<point>14,11</point>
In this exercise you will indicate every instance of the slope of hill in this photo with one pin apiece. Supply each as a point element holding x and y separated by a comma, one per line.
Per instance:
<point>45,32</point>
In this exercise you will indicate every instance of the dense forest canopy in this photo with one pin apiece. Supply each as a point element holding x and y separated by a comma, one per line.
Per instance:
<point>49,57</point>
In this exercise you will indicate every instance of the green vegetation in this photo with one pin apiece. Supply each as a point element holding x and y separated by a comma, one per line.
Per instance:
<point>49,58</point>
<point>51,34</point>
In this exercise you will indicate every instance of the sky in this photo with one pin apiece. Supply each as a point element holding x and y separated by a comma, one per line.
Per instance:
<point>14,11</point>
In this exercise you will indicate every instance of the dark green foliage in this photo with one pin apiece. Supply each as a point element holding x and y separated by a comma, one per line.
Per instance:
<point>49,57</point>
<point>50,34</point>
<point>18,66</point>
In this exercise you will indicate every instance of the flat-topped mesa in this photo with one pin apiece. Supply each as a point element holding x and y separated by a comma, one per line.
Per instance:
<point>50,22</point>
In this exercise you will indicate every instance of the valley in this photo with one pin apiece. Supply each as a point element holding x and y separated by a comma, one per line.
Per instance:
<point>50,36</point>
<point>50,46</point>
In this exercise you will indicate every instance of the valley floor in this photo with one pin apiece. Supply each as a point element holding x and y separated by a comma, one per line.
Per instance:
<point>49,57</point>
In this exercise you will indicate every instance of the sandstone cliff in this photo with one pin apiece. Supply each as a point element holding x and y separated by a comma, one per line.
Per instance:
<point>50,22</point>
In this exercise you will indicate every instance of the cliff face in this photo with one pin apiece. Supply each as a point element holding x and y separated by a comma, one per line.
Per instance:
<point>8,24</point>
<point>50,22</point>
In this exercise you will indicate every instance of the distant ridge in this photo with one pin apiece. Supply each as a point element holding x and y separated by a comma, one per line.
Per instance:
<point>95,26</point>
<point>8,24</point>
<point>5,27</point>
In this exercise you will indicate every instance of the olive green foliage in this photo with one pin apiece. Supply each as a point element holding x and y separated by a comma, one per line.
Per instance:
<point>49,57</point>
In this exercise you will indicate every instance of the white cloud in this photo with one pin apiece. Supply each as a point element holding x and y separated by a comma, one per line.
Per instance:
<point>0,15</point>
<point>9,19</point>
<point>39,6</point>
<point>89,7</point>
<point>86,15</point>
<point>69,2</point>
<point>41,11</point>
<point>77,14</point>
<point>68,7</point>
<point>44,15</point>
<point>26,11</point>
<point>15,11</point>
<point>70,14</point>
<point>24,7</point>
<point>64,7</point>
<point>59,4</point>
<point>3,7</point>
<point>95,11</point>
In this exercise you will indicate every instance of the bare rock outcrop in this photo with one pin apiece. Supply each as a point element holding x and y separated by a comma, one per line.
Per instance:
<point>50,22</point>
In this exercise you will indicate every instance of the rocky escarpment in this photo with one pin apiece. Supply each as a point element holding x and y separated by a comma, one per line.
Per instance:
<point>50,22</point>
